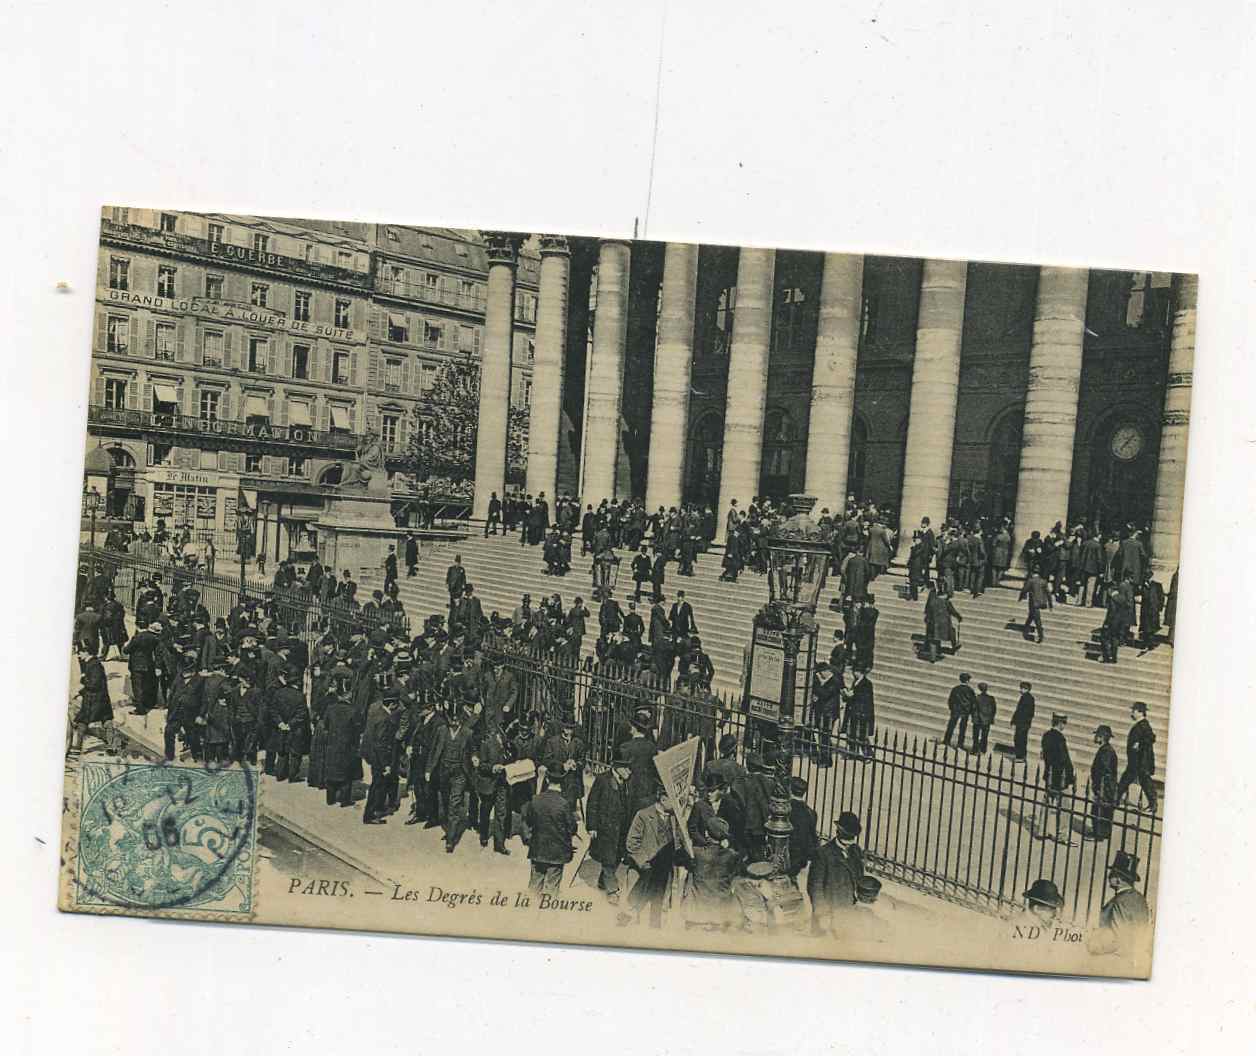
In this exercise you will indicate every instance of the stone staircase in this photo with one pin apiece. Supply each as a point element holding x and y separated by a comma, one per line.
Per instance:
<point>910,692</point>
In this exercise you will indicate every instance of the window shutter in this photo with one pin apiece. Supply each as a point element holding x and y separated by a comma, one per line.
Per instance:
<point>224,406</point>
<point>148,396</point>
<point>372,372</point>
<point>131,394</point>
<point>403,431</point>
<point>150,342</point>
<point>180,344</point>
<point>377,325</point>
<point>224,458</point>
<point>353,417</point>
<point>237,288</point>
<point>477,341</point>
<point>354,377</point>
<point>372,420</point>
<point>283,358</point>
<point>229,353</point>
<point>328,358</point>
<point>102,329</point>
<point>407,375</point>
<point>322,415</point>
<point>98,391</point>
<point>270,408</point>
<point>281,411</point>
<point>237,462</point>
<point>178,402</point>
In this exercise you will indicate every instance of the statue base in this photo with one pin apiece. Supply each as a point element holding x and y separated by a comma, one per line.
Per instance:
<point>354,533</point>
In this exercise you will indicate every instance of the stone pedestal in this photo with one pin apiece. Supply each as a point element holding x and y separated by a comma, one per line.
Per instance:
<point>355,532</point>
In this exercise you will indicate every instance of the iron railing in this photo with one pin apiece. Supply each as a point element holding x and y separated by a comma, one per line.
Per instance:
<point>976,830</point>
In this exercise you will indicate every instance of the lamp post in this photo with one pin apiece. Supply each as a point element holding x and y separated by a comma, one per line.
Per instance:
<point>92,500</point>
<point>798,564</point>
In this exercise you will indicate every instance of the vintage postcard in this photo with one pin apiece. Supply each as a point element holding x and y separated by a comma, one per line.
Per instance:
<point>617,592</point>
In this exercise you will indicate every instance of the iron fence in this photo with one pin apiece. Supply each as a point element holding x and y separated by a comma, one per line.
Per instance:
<point>974,829</point>
<point>977,830</point>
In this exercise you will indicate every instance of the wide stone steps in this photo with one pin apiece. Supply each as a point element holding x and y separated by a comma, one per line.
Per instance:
<point>911,693</point>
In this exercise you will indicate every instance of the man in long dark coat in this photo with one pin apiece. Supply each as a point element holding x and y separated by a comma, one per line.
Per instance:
<point>141,652</point>
<point>833,879</point>
<point>940,618</point>
<point>961,703</point>
<point>94,703</point>
<point>1058,775</point>
<point>1022,720</point>
<point>607,817</point>
<point>1140,757</point>
<point>1102,785</point>
<point>342,739</point>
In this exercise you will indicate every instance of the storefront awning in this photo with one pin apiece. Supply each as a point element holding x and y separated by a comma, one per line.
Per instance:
<point>396,319</point>
<point>165,394</point>
<point>339,417</point>
<point>256,407</point>
<point>299,413</point>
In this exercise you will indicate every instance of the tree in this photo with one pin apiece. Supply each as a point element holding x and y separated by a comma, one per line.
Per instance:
<point>443,430</point>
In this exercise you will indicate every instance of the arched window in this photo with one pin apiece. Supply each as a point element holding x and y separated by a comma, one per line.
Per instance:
<point>121,458</point>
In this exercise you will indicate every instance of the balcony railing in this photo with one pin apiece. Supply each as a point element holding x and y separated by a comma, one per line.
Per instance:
<point>183,425</point>
<point>224,254</point>
<point>473,302</point>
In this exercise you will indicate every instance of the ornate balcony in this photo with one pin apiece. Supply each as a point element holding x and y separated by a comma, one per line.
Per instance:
<point>182,426</point>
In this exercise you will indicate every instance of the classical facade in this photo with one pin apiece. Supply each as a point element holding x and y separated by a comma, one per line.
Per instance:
<point>686,373</point>
<point>242,352</point>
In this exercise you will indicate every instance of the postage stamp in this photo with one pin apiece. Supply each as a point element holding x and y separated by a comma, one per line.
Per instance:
<point>154,838</point>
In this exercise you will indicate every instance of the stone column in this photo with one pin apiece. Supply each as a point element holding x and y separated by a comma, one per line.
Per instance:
<point>1166,522</point>
<point>604,384</point>
<point>1055,374</point>
<point>934,391</point>
<point>495,369</point>
<point>548,364</point>
<point>747,382</point>
<point>673,364</point>
<point>833,380</point>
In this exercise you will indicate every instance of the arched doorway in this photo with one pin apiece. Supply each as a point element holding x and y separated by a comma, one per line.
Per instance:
<point>121,500</point>
<point>1121,483</point>
<point>706,450</point>
<point>857,464</point>
<point>780,454</point>
<point>1003,470</point>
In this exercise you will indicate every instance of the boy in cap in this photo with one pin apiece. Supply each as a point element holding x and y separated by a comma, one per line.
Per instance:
<point>1102,785</point>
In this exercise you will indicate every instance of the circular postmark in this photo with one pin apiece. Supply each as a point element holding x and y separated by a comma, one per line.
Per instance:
<point>167,837</point>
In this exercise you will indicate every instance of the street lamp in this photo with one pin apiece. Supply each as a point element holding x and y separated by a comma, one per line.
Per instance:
<point>798,564</point>
<point>91,498</point>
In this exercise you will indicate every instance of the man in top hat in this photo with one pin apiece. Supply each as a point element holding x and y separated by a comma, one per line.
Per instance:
<point>553,825</point>
<point>285,726</point>
<point>1058,774</point>
<point>1125,918</point>
<point>961,703</point>
<point>651,844</point>
<point>1140,757</point>
<point>803,838</point>
<point>1102,785</point>
<point>833,879</point>
<point>1043,903</point>
<point>860,722</point>
<point>390,569</point>
<point>607,818</point>
<point>639,748</point>
<point>455,583</point>
<point>826,698</point>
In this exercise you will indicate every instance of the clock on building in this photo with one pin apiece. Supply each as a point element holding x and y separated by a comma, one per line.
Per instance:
<point>1127,442</point>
